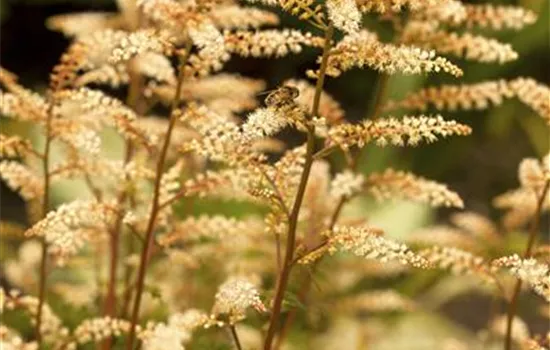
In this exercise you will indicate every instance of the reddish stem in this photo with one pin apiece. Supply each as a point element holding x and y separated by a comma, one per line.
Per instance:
<point>282,281</point>
<point>155,207</point>
<point>513,305</point>
<point>45,208</point>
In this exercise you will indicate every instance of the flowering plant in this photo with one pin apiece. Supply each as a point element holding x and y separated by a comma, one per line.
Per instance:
<point>154,262</point>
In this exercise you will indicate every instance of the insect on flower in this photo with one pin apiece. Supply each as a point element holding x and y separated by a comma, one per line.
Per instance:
<point>281,96</point>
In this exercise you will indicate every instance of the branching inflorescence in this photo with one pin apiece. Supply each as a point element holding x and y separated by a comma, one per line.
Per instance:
<point>133,220</point>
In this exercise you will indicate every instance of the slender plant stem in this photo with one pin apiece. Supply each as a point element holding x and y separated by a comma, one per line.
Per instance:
<point>322,71</point>
<point>284,207</point>
<point>155,202</point>
<point>128,272</point>
<point>287,323</point>
<point>132,100</point>
<point>379,97</point>
<point>278,251</point>
<point>235,337</point>
<point>278,194</point>
<point>134,92</point>
<point>306,286</point>
<point>325,152</point>
<point>282,281</point>
<point>109,307</point>
<point>110,300</point>
<point>513,305</point>
<point>42,291</point>
<point>45,208</point>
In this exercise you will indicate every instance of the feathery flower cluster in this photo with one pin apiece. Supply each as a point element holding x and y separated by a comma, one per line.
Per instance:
<point>374,268</point>
<point>521,203</point>
<point>14,146</point>
<point>189,320</point>
<point>88,61</point>
<point>211,227</point>
<point>397,132</point>
<point>155,66</point>
<point>208,40</point>
<point>20,178</point>
<point>220,87</point>
<point>534,95</point>
<point>234,296</point>
<point>86,110</point>
<point>453,97</point>
<point>477,225</point>
<point>269,43</point>
<point>170,182</point>
<point>20,103</point>
<point>533,174</point>
<point>222,93</point>
<point>28,259</point>
<point>164,336</point>
<point>84,23</point>
<point>344,14</point>
<point>395,184</point>
<point>368,243</point>
<point>139,42</point>
<point>531,271</point>
<point>51,326</point>
<point>78,136</point>
<point>209,182</point>
<point>169,14</point>
<point>383,6</point>
<point>364,50</point>
<point>376,301</point>
<point>287,172</point>
<point>458,262</point>
<point>497,17</point>
<point>221,139</point>
<point>65,228</point>
<point>155,49</point>
<point>427,35</point>
<point>304,9</point>
<point>264,122</point>
<point>346,184</point>
<point>97,329</point>
<point>521,206</point>
<point>446,11</point>
<point>78,295</point>
<point>89,104</point>
<point>11,340</point>
<point>442,235</point>
<point>236,17</point>
<point>479,96</point>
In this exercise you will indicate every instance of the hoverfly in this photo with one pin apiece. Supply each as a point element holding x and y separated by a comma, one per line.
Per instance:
<point>281,96</point>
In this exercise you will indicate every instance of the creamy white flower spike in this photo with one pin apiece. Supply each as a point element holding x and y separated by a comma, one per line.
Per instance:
<point>344,14</point>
